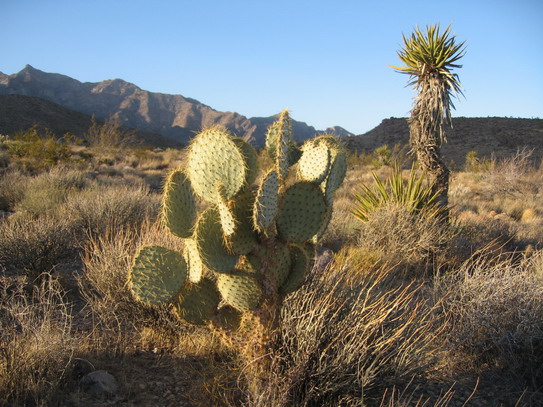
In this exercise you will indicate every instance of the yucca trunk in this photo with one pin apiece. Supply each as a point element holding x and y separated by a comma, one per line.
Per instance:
<point>426,123</point>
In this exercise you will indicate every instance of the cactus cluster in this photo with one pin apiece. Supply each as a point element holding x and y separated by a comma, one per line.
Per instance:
<point>254,242</point>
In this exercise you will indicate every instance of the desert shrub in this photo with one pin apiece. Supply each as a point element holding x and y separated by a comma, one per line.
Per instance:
<point>47,191</point>
<point>102,207</point>
<point>475,164</point>
<point>386,156</point>
<point>109,134</point>
<point>12,185</point>
<point>34,152</point>
<point>515,175</point>
<point>36,343</point>
<point>345,340</point>
<point>495,306</point>
<point>382,156</point>
<point>35,245</point>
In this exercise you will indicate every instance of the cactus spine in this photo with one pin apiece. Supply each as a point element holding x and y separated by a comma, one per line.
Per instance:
<point>250,247</point>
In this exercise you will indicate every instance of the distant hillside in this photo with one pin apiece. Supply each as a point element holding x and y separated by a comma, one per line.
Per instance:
<point>173,116</point>
<point>490,135</point>
<point>19,113</point>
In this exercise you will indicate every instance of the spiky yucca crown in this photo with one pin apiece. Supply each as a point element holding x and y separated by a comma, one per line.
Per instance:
<point>431,54</point>
<point>254,241</point>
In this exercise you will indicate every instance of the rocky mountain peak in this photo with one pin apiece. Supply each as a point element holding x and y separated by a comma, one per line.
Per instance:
<point>173,116</point>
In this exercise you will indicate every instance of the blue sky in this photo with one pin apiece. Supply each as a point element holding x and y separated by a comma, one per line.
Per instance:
<point>327,61</point>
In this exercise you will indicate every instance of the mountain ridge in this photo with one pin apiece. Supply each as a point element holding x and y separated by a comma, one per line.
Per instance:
<point>173,116</point>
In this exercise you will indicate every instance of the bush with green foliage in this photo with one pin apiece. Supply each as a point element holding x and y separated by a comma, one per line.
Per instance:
<point>476,164</point>
<point>34,152</point>
<point>253,244</point>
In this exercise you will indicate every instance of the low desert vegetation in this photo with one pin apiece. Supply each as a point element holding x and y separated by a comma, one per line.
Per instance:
<point>400,308</point>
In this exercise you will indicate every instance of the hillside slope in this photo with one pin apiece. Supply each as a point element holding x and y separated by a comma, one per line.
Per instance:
<point>19,113</point>
<point>498,136</point>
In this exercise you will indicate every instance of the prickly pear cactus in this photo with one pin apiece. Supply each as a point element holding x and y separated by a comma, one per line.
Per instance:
<point>253,244</point>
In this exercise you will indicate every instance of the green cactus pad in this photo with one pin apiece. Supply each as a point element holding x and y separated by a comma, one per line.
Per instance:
<point>209,240</point>
<point>229,318</point>
<point>266,202</point>
<point>244,238</point>
<point>283,163</point>
<point>315,161</point>
<point>336,175</point>
<point>278,141</point>
<point>251,159</point>
<point>214,159</point>
<point>157,275</point>
<point>240,289</point>
<point>228,221</point>
<point>198,303</point>
<point>272,139</point>
<point>302,211</point>
<point>327,218</point>
<point>192,257</point>
<point>275,260</point>
<point>179,204</point>
<point>300,267</point>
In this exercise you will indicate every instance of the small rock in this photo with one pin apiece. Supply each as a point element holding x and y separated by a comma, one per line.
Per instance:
<point>323,259</point>
<point>100,384</point>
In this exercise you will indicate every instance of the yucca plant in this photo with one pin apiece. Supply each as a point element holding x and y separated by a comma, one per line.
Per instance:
<point>415,194</point>
<point>429,57</point>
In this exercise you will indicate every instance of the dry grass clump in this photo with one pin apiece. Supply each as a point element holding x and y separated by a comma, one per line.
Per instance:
<point>495,305</point>
<point>35,245</point>
<point>103,207</point>
<point>403,237</point>
<point>11,189</point>
<point>122,321</point>
<point>46,191</point>
<point>344,340</point>
<point>36,343</point>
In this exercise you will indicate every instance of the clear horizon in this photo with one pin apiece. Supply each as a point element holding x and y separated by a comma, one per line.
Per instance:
<point>327,63</point>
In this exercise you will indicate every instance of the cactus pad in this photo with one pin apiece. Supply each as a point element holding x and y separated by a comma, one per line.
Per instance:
<point>251,159</point>
<point>278,141</point>
<point>302,212</point>
<point>244,239</point>
<point>274,260</point>
<point>209,240</point>
<point>197,303</point>
<point>157,275</point>
<point>327,218</point>
<point>300,266</point>
<point>213,159</point>
<point>240,289</point>
<point>265,207</point>
<point>338,170</point>
<point>179,204</point>
<point>315,161</point>
<point>194,262</point>
<point>228,222</point>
